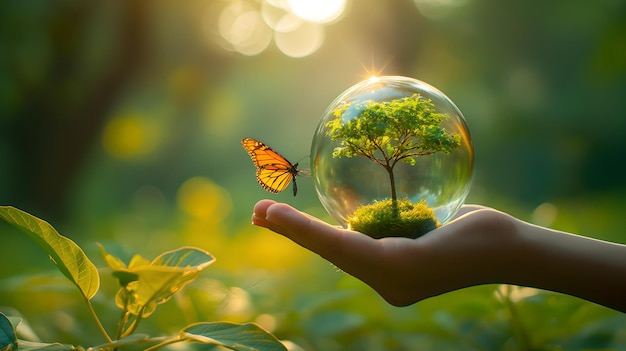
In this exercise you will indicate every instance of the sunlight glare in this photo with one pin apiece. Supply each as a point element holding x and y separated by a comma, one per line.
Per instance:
<point>296,26</point>
<point>373,72</point>
<point>318,11</point>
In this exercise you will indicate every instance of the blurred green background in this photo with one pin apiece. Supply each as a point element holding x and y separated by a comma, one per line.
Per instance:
<point>120,123</point>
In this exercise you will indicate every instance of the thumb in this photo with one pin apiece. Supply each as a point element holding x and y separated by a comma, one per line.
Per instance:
<point>333,243</point>
<point>303,229</point>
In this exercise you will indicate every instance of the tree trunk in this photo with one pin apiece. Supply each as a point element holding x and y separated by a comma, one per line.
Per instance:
<point>392,182</point>
<point>394,197</point>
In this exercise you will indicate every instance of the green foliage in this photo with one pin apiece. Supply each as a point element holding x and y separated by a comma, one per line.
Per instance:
<point>318,307</point>
<point>64,253</point>
<point>8,339</point>
<point>389,132</point>
<point>384,218</point>
<point>233,336</point>
<point>144,285</point>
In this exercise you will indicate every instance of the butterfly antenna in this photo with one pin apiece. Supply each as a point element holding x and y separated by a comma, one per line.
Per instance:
<point>302,158</point>
<point>306,171</point>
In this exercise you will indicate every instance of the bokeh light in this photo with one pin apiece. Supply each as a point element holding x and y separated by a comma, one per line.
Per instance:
<point>244,29</point>
<point>129,136</point>
<point>297,26</point>
<point>202,199</point>
<point>545,214</point>
<point>320,11</point>
<point>303,41</point>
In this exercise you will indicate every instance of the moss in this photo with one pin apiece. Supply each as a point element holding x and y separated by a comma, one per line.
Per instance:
<point>382,219</point>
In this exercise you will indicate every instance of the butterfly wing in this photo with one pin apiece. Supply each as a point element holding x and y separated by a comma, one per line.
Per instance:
<point>273,171</point>
<point>275,178</point>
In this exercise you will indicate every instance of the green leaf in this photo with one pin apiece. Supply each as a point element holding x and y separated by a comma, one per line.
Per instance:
<point>113,262</point>
<point>33,346</point>
<point>185,257</point>
<point>8,340</point>
<point>239,337</point>
<point>155,282</point>
<point>64,253</point>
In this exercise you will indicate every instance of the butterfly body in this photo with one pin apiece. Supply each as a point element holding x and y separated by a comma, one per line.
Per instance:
<point>273,171</point>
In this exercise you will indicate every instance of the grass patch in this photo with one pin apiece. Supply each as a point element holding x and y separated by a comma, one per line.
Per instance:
<point>384,219</point>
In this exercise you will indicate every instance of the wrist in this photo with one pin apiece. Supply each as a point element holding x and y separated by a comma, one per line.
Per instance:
<point>478,248</point>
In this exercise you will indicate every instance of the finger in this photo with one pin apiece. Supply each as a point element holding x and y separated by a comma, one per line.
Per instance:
<point>309,232</point>
<point>370,260</point>
<point>333,243</point>
<point>261,207</point>
<point>258,214</point>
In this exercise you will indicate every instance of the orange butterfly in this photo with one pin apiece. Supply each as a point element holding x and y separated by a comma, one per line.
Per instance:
<point>273,171</point>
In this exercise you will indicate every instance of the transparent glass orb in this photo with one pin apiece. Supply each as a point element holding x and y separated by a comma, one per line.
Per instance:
<point>343,184</point>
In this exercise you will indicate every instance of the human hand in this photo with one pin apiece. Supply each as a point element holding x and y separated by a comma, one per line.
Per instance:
<point>403,271</point>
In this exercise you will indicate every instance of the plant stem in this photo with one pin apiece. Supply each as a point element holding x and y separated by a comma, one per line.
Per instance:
<point>164,343</point>
<point>124,316</point>
<point>98,323</point>
<point>122,323</point>
<point>135,323</point>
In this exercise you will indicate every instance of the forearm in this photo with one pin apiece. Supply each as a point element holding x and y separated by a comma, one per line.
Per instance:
<point>587,268</point>
<point>488,246</point>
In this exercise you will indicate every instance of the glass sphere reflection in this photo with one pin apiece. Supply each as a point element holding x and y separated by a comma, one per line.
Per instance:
<point>440,179</point>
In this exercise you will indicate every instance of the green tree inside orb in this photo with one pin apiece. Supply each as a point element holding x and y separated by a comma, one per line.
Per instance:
<point>390,132</point>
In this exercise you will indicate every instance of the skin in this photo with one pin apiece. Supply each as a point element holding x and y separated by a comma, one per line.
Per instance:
<point>480,246</point>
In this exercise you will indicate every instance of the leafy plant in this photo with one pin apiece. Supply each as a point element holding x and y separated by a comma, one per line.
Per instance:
<point>144,285</point>
<point>390,132</point>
